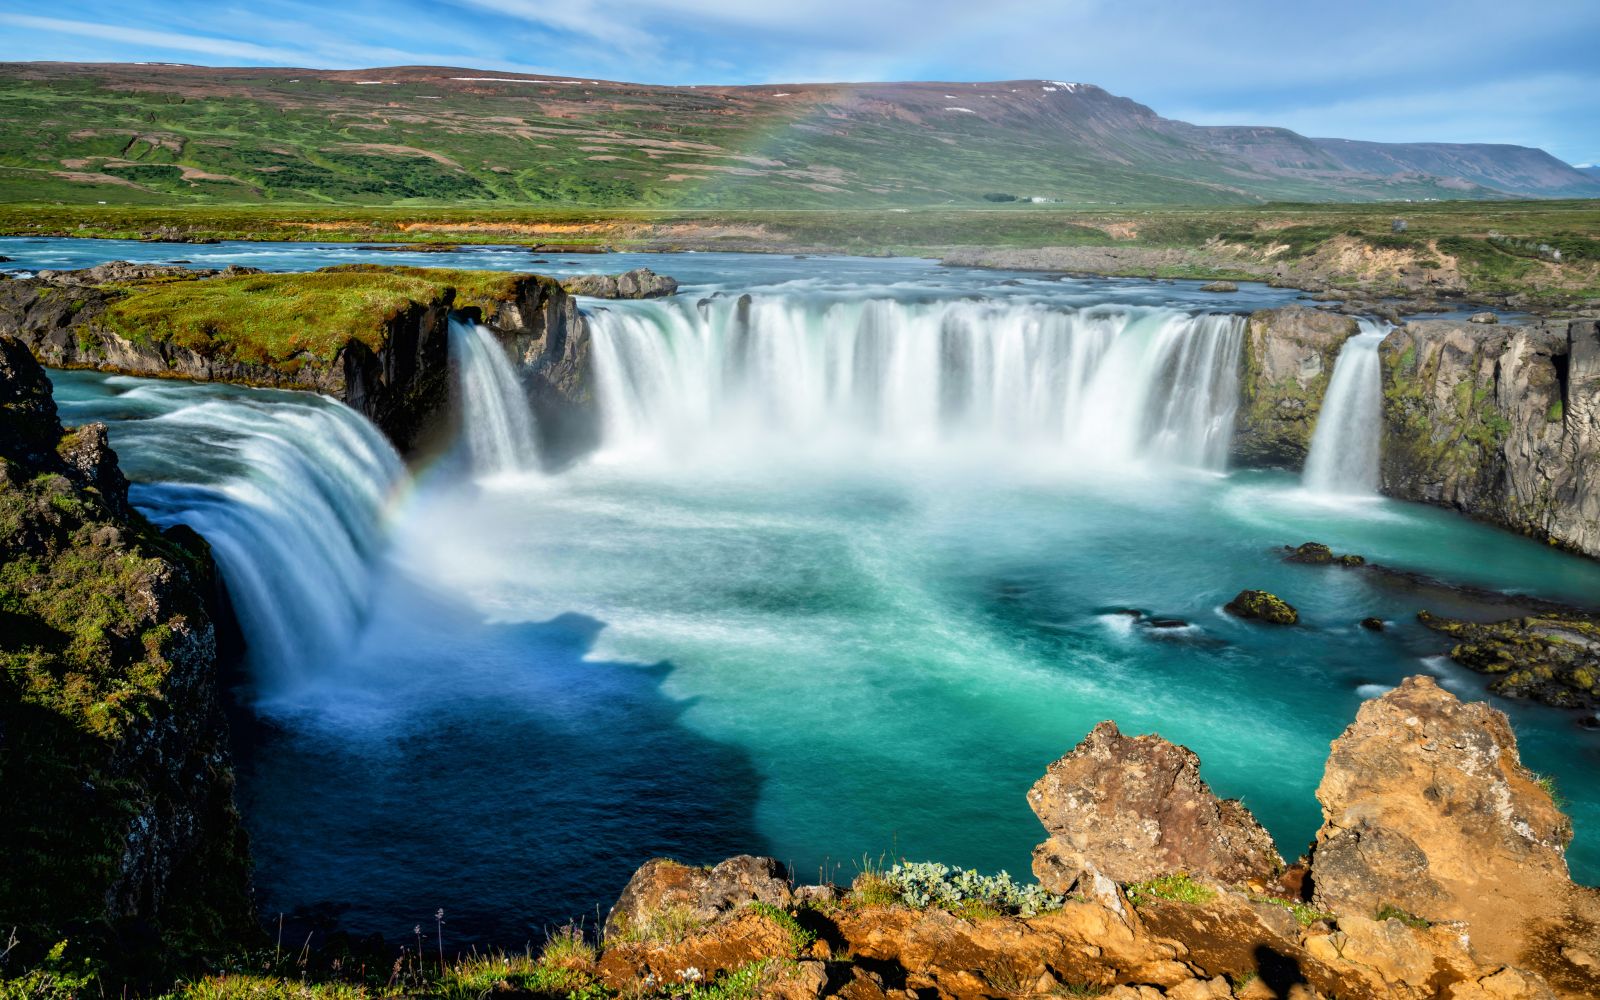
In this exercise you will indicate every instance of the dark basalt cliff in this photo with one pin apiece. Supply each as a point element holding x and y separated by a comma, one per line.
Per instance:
<point>1285,366</point>
<point>117,800</point>
<point>1499,422</point>
<point>398,376</point>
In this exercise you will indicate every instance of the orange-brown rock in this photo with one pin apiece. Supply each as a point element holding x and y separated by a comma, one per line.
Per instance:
<point>701,954</point>
<point>1428,810</point>
<point>1428,813</point>
<point>661,886</point>
<point>1134,808</point>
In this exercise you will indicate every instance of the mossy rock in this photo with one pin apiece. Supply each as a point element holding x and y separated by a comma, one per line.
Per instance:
<point>1262,606</point>
<point>1311,554</point>
<point>1318,554</point>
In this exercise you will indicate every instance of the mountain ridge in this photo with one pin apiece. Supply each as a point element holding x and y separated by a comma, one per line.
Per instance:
<point>164,133</point>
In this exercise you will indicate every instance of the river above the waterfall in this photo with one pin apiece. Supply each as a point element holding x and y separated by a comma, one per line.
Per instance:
<point>750,630</point>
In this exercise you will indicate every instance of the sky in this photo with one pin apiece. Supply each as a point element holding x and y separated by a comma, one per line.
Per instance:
<point>1398,70</point>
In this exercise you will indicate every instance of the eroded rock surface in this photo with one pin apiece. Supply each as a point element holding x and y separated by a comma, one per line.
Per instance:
<point>1287,361</point>
<point>1439,876</point>
<point>664,887</point>
<point>114,761</point>
<point>639,283</point>
<point>1428,812</point>
<point>1501,422</point>
<point>1133,808</point>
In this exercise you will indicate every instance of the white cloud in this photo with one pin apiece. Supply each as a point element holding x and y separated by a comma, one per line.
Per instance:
<point>221,47</point>
<point>1523,111</point>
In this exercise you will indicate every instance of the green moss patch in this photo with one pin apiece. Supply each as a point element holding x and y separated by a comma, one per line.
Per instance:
<point>287,319</point>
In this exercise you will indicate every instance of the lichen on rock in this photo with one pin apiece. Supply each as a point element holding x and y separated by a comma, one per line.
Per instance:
<point>1260,605</point>
<point>1285,367</point>
<point>1134,808</point>
<point>118,790</point>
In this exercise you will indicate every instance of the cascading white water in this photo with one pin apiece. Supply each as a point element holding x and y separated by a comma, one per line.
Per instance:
<point>293,519</point>
<point>497,421</point>
<point>1344,448</point>
<point>1098,385</point>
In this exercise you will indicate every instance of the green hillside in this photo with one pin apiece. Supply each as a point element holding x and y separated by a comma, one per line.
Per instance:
<point>163,135</point>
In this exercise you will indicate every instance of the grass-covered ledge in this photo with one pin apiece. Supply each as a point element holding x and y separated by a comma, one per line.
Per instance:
<point>274,318</point>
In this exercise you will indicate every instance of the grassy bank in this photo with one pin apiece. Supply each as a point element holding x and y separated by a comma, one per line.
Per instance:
<point>1548,251</point>
<point>276,318</point>
<point>1300,226</point>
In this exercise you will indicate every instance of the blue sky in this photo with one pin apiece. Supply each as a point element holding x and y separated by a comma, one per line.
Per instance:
<point>1424,70</point>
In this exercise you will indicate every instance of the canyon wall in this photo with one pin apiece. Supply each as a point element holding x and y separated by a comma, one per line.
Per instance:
<point>119,822</point>
<point>1499,422</point>
<point>1285,368</point>
<point>402,384</point>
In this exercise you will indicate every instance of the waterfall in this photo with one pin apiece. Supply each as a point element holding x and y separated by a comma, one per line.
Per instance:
<point>1344,447</point>
<point>1097,385</point>
<point>496,421</point>
<point>289,490</point>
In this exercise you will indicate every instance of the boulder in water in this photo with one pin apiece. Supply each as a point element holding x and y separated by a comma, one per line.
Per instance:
<point>1219,286</point>
<point>1373,624</point>
<point>1485,318</point>
<point>1318,554</point>
<point>1310,553</point>
<point>1552,656</point>
<point>1135,808</point>
<point>1262,606</point>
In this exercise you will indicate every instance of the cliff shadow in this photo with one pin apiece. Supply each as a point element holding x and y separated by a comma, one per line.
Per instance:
<point>503,778</point>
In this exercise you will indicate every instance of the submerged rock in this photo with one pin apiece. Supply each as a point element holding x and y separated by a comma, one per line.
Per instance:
<point>1318,554</point>
<point>1134,808</point>
<point>1552,657</point>
<point>1311,553</point>
<point>1373,624</point>
<point>640,283</point>
<point>1262,606</point>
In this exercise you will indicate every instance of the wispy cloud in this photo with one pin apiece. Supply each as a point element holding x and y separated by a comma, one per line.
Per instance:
<point>225,48</point>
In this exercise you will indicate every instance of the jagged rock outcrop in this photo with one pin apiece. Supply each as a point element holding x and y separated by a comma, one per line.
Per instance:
<point>1285,366</point>
<point>544,330</point>
<point>1439,779</point>
<point>639,283</point>
<point>1133,808</point>
<point>114,764</point>
<point>1499,422</point>
<point>698,894</point>
<point>402,384</point>
<point>1428,811</point>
